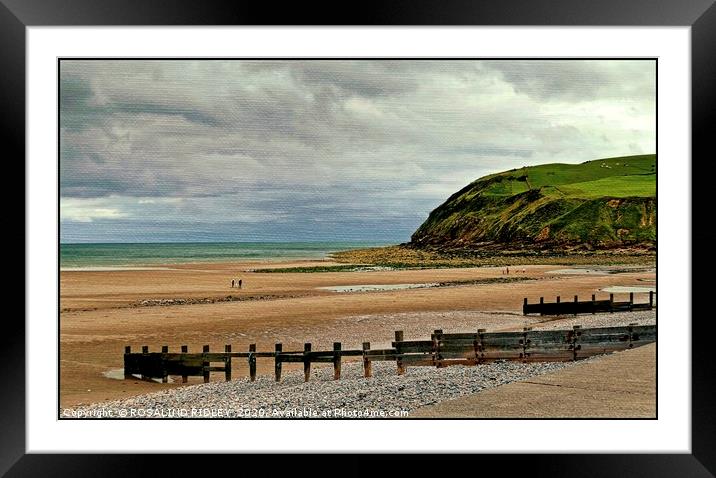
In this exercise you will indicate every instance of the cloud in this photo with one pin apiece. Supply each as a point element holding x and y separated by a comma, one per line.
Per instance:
<point>279,144</point>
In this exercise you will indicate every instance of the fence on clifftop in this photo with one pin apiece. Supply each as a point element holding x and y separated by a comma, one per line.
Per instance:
<point>441,350</point>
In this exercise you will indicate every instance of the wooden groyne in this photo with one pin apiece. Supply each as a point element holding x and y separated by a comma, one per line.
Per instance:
<point>441,350</point>
<point>593,306</point>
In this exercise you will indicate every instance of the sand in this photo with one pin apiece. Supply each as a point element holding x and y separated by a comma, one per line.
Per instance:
<point>626,389</point>
<point>100,312</point>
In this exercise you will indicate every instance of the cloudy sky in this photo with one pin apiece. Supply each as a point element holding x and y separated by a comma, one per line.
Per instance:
<point>165,151</point>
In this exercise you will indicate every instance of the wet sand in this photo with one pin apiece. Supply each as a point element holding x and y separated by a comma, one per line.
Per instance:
<point>102,312</point>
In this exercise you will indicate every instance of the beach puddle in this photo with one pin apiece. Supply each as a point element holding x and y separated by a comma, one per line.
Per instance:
<point>377,287</point>
<point>620,289</point>
<point>118,374</point>
<point>591,272</point>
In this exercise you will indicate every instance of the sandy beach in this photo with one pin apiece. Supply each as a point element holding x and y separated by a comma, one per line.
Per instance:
<point>103,311</point>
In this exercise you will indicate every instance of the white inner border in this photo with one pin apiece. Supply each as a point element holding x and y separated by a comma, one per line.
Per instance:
<point>670,433</point>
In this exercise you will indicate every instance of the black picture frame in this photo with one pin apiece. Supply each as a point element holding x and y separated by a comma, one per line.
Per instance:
<point>700,15</point>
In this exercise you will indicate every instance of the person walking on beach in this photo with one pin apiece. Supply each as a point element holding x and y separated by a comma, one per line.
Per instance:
<point>240,282</point>
<point>233,283</point>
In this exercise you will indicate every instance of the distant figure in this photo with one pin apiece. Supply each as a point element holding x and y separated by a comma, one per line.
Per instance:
<point>240,282</point>
<point>233,283</point>
<point>524,270</point>
<point>508,270</point>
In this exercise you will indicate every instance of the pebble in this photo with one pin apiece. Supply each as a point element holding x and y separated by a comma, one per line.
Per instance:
<point>353,396</point>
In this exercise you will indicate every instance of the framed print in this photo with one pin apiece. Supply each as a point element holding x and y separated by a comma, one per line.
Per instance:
<point>440,238</point>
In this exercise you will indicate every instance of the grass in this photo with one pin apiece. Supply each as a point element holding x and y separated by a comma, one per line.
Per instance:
<point>601,203</point>
<point>643,185</point>
<point>604,171</point>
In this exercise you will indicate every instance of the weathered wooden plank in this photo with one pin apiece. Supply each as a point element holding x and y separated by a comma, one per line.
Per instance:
<point>548,358</point>
<point>500,346</point>
<point>277,362</point>
<point>623,329</point>
<point>450,347</point>
<point>417,361</point>
<point>415,348</point>
<point>501,336</point>
<point>206,364</point>
<point>589,350</point>
<point>547,336</point>
<point>456,354</point>
<point>336,360</point>
<point>306,363</point>
<point>643,338</point>
<point>412,343</point>
<point>184,374</point>
<point>497,355</point>
<point>227,363</point>
<point>252,362</point>
<point>320,359</point>
<point>458,336</point>
<point>399,361</point>
<point>603,338</point>
<point>374,354</point>
<point>467,361</point>
<point>382,357</point>
<point>367,366</point>
<point>291,358</point>
<point>548,346</point>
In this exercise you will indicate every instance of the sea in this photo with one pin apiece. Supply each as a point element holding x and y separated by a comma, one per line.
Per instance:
<point>112,255</point>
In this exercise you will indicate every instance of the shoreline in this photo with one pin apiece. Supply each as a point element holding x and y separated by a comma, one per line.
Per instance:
<point>96,324</point>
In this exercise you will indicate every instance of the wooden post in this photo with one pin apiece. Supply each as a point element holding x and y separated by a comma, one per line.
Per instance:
<point>651,299</point>
<point>277,362</point>
<point>127,351</point>
<point>438,333</point>
<point>336,360</point>
<point>252,362</point>
<point>594,305</point>
<point>558,299</point>
<point>631,334</point>
<point>398,360</point>
<point>525,343</point>
<point>367,366</point>
<point>145,350</point>
<point>631,300</point>
<point>478,347</point>
<point>306,362</point>
<point>165,378</point>
<point>575,339</point>
<point>184,349</point>
<point>524,307</point>
<point>611,303</point>
<point>576,304</point>
<point>541,303</point>
<point>205,365</point>
<point>227,363</point>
